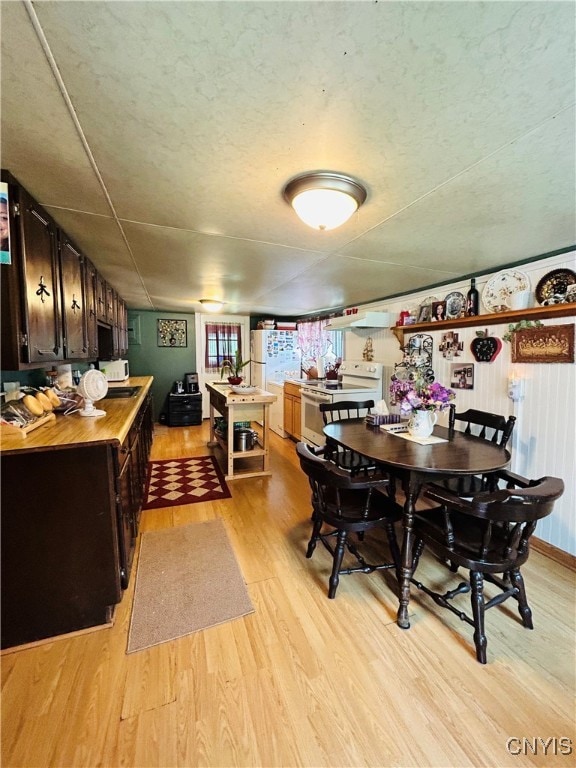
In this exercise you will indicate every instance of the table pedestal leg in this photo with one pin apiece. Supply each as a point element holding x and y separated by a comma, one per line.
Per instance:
<point>411,490</point>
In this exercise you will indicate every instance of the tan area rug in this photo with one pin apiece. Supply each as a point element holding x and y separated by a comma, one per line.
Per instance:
<point>188,579</point>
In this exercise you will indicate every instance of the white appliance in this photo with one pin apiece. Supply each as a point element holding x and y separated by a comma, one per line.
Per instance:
<point>115,370</point>
<point>274,356</point>
<point>276,409</point>
<point>359,381</point>
<point>93,386</point>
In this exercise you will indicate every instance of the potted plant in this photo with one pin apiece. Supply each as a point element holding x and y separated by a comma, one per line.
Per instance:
<point>234,368</point>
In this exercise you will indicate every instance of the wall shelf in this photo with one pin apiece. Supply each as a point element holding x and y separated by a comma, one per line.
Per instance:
<point>512,316</point>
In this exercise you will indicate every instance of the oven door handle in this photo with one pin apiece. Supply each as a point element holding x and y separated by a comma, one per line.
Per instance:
<point>316,397</point>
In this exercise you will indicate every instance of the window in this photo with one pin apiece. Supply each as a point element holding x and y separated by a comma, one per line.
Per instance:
<point>315,341</point>
<point>222,342</point>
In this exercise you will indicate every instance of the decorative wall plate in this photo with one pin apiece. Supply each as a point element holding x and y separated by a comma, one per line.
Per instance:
<point>555,283</point>
<point>501,286</point>
<point>455,304</point>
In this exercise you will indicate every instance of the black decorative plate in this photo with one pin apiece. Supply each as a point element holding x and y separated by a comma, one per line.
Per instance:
<point>555,283</point>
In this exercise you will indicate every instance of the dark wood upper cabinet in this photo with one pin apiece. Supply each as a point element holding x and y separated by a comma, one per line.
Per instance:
<point>111,301</point>
<point>122,327</point>
<point>74,313</point>
<point>91,307</point>
<point>40,268</point>
<point>100,298</point>
<point>53,300</point>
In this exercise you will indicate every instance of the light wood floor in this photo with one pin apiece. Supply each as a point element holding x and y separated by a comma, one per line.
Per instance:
<point>304,681</point>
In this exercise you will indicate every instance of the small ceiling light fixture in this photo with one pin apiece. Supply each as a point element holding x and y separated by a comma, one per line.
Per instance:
<point>323,199</point>
<point>211,305</point>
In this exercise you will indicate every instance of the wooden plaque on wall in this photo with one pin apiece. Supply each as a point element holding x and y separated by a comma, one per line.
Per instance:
<point>546,344</point>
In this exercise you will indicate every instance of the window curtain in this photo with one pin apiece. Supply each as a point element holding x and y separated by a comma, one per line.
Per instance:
<point>315,341</point>
<point>222,342</point>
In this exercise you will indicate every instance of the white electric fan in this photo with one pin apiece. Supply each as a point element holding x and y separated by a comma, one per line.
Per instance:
<point>93,386</point>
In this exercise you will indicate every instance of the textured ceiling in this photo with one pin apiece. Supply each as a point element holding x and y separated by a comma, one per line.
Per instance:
<point>160,135</point>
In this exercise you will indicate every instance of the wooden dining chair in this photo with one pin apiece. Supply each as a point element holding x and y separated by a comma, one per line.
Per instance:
<point>342,504</point>
<point>489,426</point>
<point>488,535</point>
<point>345,458</point>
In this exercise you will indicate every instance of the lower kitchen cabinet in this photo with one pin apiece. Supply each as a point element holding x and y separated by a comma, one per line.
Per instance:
<point>131,471</point>
<point>70,516</point>
<point>61,568</point>
<point>292,409</point>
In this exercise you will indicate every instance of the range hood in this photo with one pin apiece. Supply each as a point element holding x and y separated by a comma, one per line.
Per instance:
<point>360,320</point>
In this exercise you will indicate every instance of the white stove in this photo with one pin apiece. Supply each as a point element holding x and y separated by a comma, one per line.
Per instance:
<point>359,381</point>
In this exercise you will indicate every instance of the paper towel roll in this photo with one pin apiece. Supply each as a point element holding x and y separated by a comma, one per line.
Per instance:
<point>320,367</point>
<point>64,376</point>
<point>380,408</point>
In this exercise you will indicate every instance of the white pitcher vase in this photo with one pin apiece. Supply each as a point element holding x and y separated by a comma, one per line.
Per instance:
<point>422,423</point>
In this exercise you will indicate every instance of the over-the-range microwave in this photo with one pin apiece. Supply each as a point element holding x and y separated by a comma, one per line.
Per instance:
<point>115,370</point>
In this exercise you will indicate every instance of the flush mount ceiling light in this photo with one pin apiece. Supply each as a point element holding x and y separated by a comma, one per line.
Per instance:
<point>211,305</point>
<point>324,200</point>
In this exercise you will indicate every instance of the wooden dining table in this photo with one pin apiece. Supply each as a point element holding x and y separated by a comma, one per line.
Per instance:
<point>415,465</point>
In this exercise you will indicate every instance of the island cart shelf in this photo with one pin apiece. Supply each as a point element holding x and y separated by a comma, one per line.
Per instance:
<point>234,408</point>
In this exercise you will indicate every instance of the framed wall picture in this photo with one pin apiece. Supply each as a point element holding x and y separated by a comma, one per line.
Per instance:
<point>462,376</point>
<point>546,344</point>
<point>172,333</point>
<point>450,345</point>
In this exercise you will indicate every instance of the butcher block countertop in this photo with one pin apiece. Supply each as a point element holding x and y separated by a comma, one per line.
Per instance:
<point>224,392</point>
<point>67,431</point>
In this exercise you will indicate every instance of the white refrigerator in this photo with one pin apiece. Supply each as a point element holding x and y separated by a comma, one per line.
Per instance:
<point>274,356</point>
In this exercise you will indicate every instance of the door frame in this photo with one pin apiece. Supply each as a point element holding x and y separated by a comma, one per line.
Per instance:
<point>201,320</point>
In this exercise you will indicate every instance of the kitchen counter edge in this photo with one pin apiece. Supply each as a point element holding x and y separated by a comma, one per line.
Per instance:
<point>74,429</point>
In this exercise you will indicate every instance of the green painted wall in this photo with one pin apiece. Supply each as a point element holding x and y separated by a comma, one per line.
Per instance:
<point>166,364</point>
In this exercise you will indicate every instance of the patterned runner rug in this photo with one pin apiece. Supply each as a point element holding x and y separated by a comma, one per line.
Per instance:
<point>173,482</point>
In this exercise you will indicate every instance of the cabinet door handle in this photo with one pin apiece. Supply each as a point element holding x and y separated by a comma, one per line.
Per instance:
<point>42,290</point>
<point>35,213</point>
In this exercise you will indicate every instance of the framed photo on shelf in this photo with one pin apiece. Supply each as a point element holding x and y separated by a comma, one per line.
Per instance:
<point>424,313</point>
<point>438,311</point>
<point>172,333</point>
<point>462,376</point>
